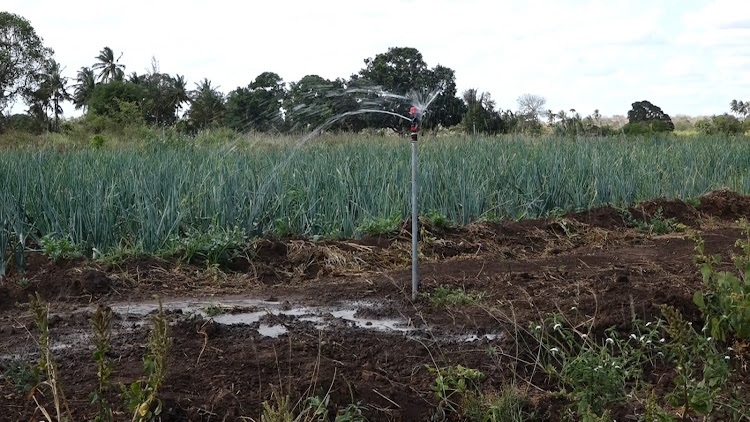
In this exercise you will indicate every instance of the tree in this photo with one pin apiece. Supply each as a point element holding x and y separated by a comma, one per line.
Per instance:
<point>56,86</point>
<point>531,105</point>
<point>84,88</point>
<point>725,124</point>
<point>206,105</point>
<point>106,99</point>
<point>649,114</point>
<point>257,107</point>
<point>109,68</point>
<point>310,102</point>
<point>481,116</point>
<point>740,108</point>
<point>403,71</point>
<point>164,95</point>
<point>23,58</point>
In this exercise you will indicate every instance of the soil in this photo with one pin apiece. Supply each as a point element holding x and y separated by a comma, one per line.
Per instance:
<point>340,315</point>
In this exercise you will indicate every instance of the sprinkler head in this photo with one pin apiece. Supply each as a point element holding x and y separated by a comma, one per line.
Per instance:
<point>416,114</point>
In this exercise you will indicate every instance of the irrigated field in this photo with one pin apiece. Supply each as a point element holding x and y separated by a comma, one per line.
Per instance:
<point>286,272</point>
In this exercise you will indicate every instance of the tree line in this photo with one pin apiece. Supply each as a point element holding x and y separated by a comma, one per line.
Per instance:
<point>111,98</point>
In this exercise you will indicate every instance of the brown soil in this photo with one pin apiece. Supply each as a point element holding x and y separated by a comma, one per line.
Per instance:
<point>590,264</point>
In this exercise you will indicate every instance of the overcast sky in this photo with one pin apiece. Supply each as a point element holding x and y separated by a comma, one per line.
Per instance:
<point>688,57</point>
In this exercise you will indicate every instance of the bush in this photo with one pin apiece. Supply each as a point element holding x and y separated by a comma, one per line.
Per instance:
<point>635,129</point>
<point>97,141</point>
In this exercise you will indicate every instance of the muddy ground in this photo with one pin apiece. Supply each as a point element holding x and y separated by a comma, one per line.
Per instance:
<point>297,316</point>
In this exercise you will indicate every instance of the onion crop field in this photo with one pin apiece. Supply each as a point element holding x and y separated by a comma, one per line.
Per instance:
<point>146,197</point>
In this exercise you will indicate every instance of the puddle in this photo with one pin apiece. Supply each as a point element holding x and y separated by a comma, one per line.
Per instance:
<point>372,324</point>
<point>273,331</point>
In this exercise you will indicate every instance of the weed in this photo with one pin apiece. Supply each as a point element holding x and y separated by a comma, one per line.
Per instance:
<point>216,246</point>
<point>97,141</point>
<point>380,226</point>
<point>656,225</point>
<point>693,202</point>
<point>214,309</point>
<point>101,321</point>
<point>445,296</point>
<point>439,220</point>
<point>140,397</point>
<point>452,383</point>
<point>57,249</point>
<point>22,375</point>
<point>47,365</point>
<point>594,375</point>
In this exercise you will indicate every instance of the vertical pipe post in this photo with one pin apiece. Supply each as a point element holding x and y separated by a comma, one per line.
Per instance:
<point>414,215</point>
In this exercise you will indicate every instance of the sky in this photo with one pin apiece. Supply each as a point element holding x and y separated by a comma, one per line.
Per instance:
<point>686,56</point>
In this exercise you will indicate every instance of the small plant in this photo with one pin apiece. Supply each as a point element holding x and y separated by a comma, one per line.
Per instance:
<point>380,226</point>
<point>47,365</point>
<point>439,220</point>
<point>452,384</point>
<point>594,375</point>
<point>445,296</point>
<point>97,141</point>
<point>57,249</point>
<point>22,375</point>
<point>693,202</point>
<point>214,309</point>
<point>140,397</point>
<point>726,303</point>
<point>216,246</point>
<point>656,225</point>
<point>280,409</point>
<point>101,321</point>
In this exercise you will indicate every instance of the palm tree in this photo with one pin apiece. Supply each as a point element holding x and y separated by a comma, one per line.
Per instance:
<point>84,89</point>
<point>179,94</point>
<point>740,108</point>
<point>206,104</point>
<point>58,89</point>
<point>109,68</point>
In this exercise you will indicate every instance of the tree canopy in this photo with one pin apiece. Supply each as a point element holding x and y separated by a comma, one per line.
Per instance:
<point>23,58</point>
<point>647,113</point>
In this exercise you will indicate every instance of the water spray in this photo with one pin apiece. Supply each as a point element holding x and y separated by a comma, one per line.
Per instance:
<point>416,115</point>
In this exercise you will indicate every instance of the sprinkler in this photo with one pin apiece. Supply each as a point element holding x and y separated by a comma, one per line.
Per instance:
<point>416,115</point>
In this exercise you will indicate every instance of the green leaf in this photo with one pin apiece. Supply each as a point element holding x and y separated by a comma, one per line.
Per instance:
<point>698,300</point>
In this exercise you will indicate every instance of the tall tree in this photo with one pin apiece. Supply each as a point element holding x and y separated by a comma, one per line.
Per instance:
<point>646,113</point>
<point>206,104</point>
<point>23,58</point>
<point>310,102</point>
<point>109,68</point>
<point>403,71</point>
<point>740,108</point>
<point>258,106</point>
<point>84,87</point>
<point>57,87</point>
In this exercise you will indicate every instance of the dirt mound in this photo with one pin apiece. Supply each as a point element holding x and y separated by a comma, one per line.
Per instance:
<point>667,209</point>
<point>725,204</point>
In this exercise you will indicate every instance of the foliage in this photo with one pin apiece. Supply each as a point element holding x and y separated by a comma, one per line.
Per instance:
<point>724,124</point>
<point>725,304</point>
<point>445,296</point>
<point>439,220</point>
<point>311,101</point>
<point>402,70</point>
<point>215,246</point>
<point>101,321</point>
<point>654,225</point>
<point>481,116</point>
<point>109,68</point>
<point>379,226</point>
<point>107,99</point>
<point>23,58</point>
<point>23,376</point>
<point>140,397</point>
<point>257,107</point>
<point>59,248</point>
<point>452,383</point>
<point>594,375</point>
<point>645,112</point>
<point>207,106</point>
<point>97,141</point>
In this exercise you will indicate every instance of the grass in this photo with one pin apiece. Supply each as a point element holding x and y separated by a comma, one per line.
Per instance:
<point>445,296</point>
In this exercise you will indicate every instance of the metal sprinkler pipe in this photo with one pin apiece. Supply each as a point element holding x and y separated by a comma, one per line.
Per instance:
<point>414,215</point>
